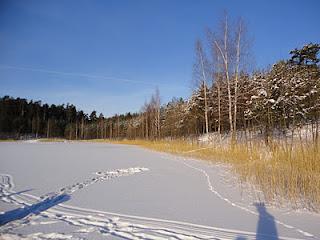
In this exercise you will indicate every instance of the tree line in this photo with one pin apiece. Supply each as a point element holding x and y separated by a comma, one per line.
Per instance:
<point>227,98</point>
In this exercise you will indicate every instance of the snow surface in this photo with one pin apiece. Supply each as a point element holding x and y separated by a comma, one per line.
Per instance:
<point>103,191</point>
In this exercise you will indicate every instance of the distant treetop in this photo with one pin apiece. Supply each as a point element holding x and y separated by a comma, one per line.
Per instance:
<point>307,55</point>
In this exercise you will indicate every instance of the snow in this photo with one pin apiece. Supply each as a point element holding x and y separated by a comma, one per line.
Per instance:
<point>118,191</point>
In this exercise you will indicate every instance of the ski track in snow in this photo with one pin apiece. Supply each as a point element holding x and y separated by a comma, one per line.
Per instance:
<point>101,176</point>
<point>106,223</point>
<point>185,162</point>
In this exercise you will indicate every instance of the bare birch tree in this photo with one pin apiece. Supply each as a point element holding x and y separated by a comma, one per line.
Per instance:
<point>230,47</point>
<point>222,44</point>
<point>237,67</point>
<point>200,72</point>
<point>157,107</point>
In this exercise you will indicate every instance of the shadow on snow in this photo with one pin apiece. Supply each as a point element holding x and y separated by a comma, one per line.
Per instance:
<point>16,193</point>
<point>266,226</point>
<point>36,208</point>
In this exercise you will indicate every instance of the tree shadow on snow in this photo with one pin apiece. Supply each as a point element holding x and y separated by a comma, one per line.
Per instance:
<point>36,208</point>
<point>266,227</point>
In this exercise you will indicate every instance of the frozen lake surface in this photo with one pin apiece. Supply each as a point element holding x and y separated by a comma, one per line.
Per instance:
<point>103,191</point>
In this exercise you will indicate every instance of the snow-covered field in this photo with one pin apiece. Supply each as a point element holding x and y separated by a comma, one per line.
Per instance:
<point>104,191</point>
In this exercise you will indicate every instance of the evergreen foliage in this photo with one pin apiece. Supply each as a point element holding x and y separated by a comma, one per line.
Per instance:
<point>282,98</point>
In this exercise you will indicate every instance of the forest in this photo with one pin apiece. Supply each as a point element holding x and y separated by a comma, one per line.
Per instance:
<point>285,97</point>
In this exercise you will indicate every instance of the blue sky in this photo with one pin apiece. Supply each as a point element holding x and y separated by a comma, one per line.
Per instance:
<point>110,55</point>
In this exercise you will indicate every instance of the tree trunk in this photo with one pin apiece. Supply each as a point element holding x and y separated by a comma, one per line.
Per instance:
<point>205,91</point>
<point>77,130</point>
<point>118,127</point>
<point>224,55</point>
<point>219,111</point>
<point>236,81</point>
<point>110,130</point>
<point>82,128</point>
<point>48,129</point>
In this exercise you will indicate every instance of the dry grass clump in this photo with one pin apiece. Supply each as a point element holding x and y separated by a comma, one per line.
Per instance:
<point>51,140</point>
<point>290,172</point>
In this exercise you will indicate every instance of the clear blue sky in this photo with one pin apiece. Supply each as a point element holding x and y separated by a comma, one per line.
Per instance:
<point>110,55</point>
